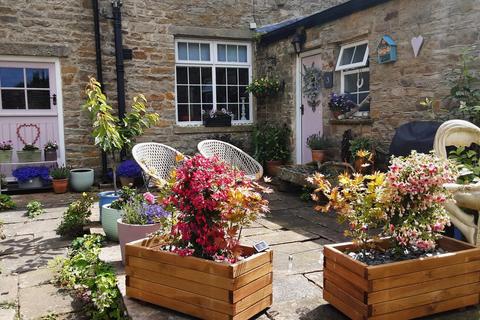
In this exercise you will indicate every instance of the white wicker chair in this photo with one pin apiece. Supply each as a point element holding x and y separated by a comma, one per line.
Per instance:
<point>156,160</point>
<point>231,155</point>
<point>461,133</point>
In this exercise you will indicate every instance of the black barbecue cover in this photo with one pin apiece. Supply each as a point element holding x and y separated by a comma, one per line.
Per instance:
<point>416,135</point>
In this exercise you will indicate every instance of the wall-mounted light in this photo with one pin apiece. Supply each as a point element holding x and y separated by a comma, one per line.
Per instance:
<point>298,40</point>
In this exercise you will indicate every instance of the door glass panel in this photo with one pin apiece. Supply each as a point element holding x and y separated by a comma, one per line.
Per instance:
<point>38,99</point>
<point>11,78</point>
<point>37,78</point>
<point>13,99</point>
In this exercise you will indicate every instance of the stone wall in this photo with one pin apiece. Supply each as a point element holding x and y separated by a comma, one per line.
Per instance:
<point>448,27</point>
<point>64,29</point>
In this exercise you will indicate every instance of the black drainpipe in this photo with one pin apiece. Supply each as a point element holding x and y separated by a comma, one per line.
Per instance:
<point>117,28</point>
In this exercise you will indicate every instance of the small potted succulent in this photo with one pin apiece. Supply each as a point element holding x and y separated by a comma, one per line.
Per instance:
<point>340,104</point>
<point>50,150</point>
<point>264,87</point>
<point>128,171</point>
<point>29,153</point>
<point>319,145</point>
<point>218,118</point>
<point>6,150</point>
<point>31,177</point>
<point>60,179</point>
<point>113,211</point>
<point>140,218</point>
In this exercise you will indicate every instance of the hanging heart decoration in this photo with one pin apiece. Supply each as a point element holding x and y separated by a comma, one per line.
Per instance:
<point>417,43</point>
<point>31,125</point>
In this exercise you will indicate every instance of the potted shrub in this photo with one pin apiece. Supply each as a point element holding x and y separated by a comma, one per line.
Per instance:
<point>31,177</point>
<point>50,150</point>
<point>361,149</point>
<point>218,118</point>
<point>113,211</point>
<point>29,153</point>
<point>128,171</point>
<point>271,143</point>
<point>81,179</point>
<point>6,151</point>
<point>140,218</point>
<point>60,179</point>
<point>196,264</point>
<point>339,104</point>
<point>398,266</point>
<point>264,87</point>
<point>319,145</point>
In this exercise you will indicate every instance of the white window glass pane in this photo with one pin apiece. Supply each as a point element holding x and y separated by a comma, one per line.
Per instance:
<point>362,97</point>
<point>38,99</point>
<point>242,53</point>
<point>182,110</point>
<point>205,51</point>
<point>37,78</point>
<point>195,112</point>
<point>182,51</point>
<point>13,99</point>
<point>222,53</point>
<point>182,75</point>
<point>193,51</point>
<point>359,53</point>
<point>364,79</point>
<point>11,77</point>
<point>182,94</point>
<point>347,56</point>
<point>232,53</point>
<point>350,82</point>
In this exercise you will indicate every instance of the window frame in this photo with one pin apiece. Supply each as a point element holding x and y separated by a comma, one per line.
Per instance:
<point>361,64</point>
<point>353,71</point>
<point>213,64</point>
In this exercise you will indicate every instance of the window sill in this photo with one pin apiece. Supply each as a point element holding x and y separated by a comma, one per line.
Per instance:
<point>351,122</point>
<point>201,129</point>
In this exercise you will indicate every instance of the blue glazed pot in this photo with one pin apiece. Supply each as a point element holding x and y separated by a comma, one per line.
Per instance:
<point>106,197</point>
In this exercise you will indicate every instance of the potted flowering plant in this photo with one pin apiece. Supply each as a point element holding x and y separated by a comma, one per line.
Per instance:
<point>128,171</point>
<point>319,145</point>
<point>60,179</point>
<point>399,265</point>
<point>197,252</point>
<point>31,177</point>
<point>50,150</point>
<point>140,218</point>
<point>29,153</point>
<point>263,87</point>
<point>6,150</point>
<point>218,118</point>
<point>340,104</point>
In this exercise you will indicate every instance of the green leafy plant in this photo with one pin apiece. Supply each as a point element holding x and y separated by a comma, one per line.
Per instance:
<point>263,87</point>
<point>318,142</point>
<point>468,164</point>
<point>34,209</point>
<point>90,278</point>
<point>30,147</point>
<point>111,133</point>
<point>271,142</point>
<point>6,202</point>
<point>360,143</point>
<point>76,216</point>
<point>126,195</point>
<point>60,173</point>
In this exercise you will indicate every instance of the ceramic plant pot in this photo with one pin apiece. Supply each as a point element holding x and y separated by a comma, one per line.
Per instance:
<point>273,167</point>
<point>109,221</point>
<point>31,184</point>
<point>319,155</point>
<point>127,181</point>
<point>6,156</point>
<point>81,179</point>
<point>50,155</point>
<point>29,156</point>
<point>106,197</point>
<point>60,185</point>
<point>132,232</point>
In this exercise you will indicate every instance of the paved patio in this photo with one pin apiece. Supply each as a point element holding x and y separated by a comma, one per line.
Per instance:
<point>292,229</point>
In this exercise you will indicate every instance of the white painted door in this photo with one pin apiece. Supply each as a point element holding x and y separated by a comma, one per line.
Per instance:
<point>310,113</point>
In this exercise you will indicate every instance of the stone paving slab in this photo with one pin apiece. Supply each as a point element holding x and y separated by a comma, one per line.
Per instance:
<point>8,290</point>
<point>17,244</point>
<point>280,237</point>
<point>35,278</point>
<point>8,314</point>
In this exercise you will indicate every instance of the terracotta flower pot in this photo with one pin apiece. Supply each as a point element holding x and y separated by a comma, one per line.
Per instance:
<point>273,166</point>
<point>127,181</point>
<point>60,185</point>
<point>132,232</point>
<point>319,155</point>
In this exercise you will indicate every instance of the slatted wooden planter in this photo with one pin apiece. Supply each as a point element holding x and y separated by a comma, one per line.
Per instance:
<point>199,287</point>
<point>406,289</point>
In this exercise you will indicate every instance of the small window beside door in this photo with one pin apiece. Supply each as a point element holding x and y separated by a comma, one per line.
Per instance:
<point>24,88</point>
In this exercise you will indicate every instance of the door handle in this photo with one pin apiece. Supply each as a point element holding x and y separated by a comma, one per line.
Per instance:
<point>302,109</point>
<point>54,99</point>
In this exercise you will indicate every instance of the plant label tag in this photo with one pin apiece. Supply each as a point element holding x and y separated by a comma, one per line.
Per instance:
<point>261,246</point>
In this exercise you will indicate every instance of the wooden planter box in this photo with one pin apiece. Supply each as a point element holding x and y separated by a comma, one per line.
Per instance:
<point>199,287</point>
<point>406,289</point>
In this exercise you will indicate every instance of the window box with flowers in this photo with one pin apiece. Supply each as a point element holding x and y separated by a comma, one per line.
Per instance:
<point>339,104</point>
<point>6,151</point>
<point>264,87</point>
<point>219,118</point>
<point>195,263</point>
<point>29,153</point>
<point>408,269</point>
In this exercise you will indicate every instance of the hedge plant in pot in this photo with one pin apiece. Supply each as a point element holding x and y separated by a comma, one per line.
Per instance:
<point>271,143</point>
<point>200,244</point>
<point>128,171</point>
<point>31,177</point>
<point>398,266</point>
<point>140,218</point>
<point>50,151</point>
<point>6,151</point>
<point>319,145</point>
<point>60,179</point>
<point>113,211</point>
<point>29,153</point>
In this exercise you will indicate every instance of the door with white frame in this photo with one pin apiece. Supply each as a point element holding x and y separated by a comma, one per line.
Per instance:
<point>309,104</point>
<point>30,111</point>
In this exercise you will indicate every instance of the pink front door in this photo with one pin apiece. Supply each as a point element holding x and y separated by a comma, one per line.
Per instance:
<point>311,110</point>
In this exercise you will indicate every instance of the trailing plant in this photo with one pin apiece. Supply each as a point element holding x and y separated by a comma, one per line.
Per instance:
<point>91,279</point>
<point>25,174</point>
<point>271,142</point>
<point>317,141</point>
<point>6,145</point>
<point>360,143</point>
<point>129,169</point>
<point>6,202</point>
<point>263,87</point>
<point>34,209</point>
<point>111,133</point>
<point>76,216</point>
<point>60,173</point>
<point>469,164</point>
<point>144,210</point>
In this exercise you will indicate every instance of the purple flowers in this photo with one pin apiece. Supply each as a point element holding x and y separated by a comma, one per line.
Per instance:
<point>28,173</point>
<point>129,168</point>
<point>153,212</point>
<point>6,145</point>
<point>340,102</point>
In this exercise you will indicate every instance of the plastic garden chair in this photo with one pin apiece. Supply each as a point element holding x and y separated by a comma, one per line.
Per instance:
<point>233,156</point>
